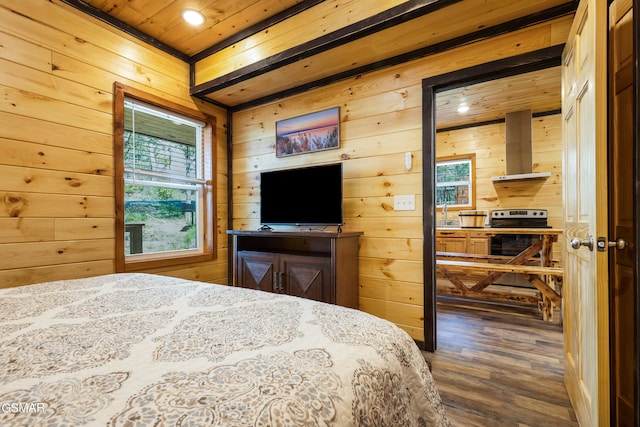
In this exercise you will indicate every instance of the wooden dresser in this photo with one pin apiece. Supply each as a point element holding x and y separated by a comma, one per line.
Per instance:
<point>322,266</point>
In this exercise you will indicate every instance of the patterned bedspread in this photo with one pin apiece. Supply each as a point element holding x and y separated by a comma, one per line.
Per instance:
<point>147,350</point>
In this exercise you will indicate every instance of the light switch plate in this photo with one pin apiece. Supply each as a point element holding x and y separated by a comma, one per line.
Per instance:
<point>405,202</point>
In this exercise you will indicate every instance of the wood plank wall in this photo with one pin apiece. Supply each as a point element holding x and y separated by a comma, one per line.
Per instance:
<point>381,119</point>
<point>488,142</point>
<point>57,68</point>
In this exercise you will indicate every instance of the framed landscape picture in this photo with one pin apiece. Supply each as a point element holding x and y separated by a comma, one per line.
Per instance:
<point>310,132</point>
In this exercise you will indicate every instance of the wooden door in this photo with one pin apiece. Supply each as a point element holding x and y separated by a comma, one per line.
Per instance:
<point>255,270</point>
<point>621,214</point>
<point>585,291</point>
<point>307,277</point>
<point>479,245</point>
<point>451,241</point>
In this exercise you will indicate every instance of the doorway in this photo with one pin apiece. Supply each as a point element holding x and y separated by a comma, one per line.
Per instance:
<point>512,66</point>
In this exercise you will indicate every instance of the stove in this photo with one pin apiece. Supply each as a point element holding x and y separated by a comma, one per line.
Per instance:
<point>519,218</point>
<point>513,244</point>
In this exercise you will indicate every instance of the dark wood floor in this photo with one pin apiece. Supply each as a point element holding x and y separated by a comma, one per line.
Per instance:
<point>498,368</point>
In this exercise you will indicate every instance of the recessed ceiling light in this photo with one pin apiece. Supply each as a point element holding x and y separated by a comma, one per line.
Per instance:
<point>463,108</point>
<point>193,17</point>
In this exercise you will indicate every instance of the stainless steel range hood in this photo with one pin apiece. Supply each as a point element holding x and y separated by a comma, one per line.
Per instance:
<point>519,154</point>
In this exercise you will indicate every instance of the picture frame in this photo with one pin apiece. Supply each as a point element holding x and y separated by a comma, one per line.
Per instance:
<point>316,131</point>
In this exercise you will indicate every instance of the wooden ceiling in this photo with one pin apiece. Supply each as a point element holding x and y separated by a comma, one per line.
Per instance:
<point>162,19</point>
<point>539,91</point>
<point>254,51</point>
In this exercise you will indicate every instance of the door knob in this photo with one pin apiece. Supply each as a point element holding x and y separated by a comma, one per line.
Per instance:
<point>576,243</point>
<point>603,244</point>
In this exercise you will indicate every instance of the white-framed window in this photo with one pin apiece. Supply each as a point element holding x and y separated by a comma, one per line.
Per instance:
<point>455,181</point>
<point>164,190</point>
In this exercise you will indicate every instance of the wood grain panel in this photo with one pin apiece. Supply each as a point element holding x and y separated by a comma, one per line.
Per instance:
<point>388,227</point>
<point>392,290</point>
<point>385,185</point>
<point>54,134</point>
<point>31,22</point>
<point>22,52</point>
<point>23,276</point>
<point>94,67</point>
<point>45,84</point>
<point>401,314</point>
<point>36,205</point>
<point>17,178</point>
<point>55,253</point>
<point>19,153</point>
<point>209,272</point>
<point>20,230</point>
<point>405,248</point>
<point>16,101</point>
<point>392,269</point>
<point>377,206</point>
<point>83,228</point>
<point>99,74</point>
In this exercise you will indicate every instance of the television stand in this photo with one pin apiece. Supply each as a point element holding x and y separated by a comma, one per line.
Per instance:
<point>318,265</point>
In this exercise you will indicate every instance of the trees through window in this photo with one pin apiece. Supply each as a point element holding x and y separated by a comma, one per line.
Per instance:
<point>164,193</point>
<point>455,181</point>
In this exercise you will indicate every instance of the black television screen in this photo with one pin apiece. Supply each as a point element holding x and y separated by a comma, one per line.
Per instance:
<point>302,196</point>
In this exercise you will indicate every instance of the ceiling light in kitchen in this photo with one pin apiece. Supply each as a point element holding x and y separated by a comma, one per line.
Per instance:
<point>193,17</point>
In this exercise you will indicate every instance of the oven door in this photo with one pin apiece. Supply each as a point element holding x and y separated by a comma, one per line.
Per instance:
<point>512,245</point>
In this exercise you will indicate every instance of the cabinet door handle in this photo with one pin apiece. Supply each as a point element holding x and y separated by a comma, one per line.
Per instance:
<point>278,281</point>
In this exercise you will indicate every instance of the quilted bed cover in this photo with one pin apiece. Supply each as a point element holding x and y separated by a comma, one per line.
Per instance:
<point>147,350</point>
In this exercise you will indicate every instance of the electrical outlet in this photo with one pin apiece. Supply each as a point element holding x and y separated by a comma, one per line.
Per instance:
<point>406,202</point>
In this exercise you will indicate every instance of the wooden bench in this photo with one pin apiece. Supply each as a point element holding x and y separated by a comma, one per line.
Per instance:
<point>498,259</point>
<point>455,267</point>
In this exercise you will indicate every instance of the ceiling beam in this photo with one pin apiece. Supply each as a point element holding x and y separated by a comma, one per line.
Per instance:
<point>257,28</point>
<point>526,21</point>
<point>391,17</point>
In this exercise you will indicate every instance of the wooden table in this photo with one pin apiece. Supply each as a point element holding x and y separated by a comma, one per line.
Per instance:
<point>540,271</point>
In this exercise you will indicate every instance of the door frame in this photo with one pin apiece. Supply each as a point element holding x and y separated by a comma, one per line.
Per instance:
<point>636,204</point>
<point>519,64</point>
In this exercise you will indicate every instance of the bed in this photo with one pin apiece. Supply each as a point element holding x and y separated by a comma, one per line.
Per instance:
<point>147,350</point>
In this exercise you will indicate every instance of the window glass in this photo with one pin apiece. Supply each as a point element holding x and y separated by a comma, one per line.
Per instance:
<point>454,182</point>
<point>163,180</point>
<point>164,194</point>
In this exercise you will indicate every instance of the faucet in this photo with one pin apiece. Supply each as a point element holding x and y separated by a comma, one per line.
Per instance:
<point>445,211</point>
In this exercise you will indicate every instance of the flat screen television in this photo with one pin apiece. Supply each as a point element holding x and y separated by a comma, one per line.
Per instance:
<point>302,196</point>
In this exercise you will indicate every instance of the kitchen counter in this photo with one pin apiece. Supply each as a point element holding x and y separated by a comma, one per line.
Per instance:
<point>489,231</point>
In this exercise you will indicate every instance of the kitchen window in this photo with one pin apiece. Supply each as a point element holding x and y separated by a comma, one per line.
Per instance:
<point>164,183</point>
<point>455,181</point>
